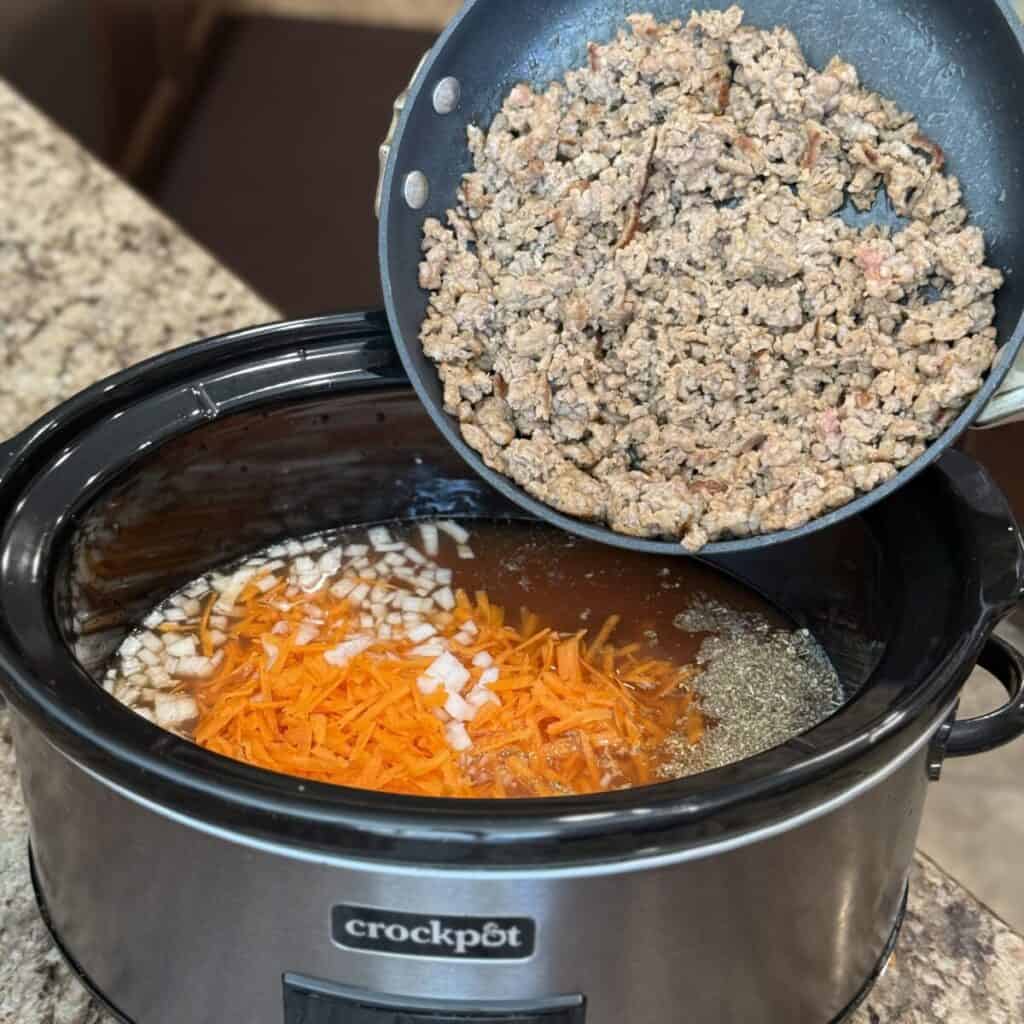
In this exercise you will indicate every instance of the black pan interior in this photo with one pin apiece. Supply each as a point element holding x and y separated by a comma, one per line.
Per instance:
<point>959,67</point>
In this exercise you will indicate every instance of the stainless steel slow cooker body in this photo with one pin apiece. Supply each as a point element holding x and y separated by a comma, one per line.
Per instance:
<point>185,887</point>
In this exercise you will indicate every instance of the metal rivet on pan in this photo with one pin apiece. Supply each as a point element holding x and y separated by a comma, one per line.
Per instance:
<point>416,190</point>
<point>447,94</point>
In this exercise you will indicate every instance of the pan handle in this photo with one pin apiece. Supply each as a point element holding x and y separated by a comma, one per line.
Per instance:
<point>1007,404</point>
<point>977,735</point>
<point>384,152</point>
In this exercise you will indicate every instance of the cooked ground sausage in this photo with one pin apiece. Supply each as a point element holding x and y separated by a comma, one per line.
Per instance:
<point>647,310</point>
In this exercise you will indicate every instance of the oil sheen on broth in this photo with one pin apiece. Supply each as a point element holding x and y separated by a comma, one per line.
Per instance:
<point>472,659</point>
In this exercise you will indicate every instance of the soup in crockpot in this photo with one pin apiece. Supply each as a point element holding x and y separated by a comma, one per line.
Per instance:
<point>472,659</point>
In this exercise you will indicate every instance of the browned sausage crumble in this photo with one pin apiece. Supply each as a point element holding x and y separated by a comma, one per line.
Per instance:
<point>646,309</point>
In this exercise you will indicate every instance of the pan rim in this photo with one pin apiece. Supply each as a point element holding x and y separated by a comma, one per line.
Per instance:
<point>1009,351</point>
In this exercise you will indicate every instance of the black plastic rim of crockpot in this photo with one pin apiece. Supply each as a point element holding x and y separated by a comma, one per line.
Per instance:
<point>182,778</point>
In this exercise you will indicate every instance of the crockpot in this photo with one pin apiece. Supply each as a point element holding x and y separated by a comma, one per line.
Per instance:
<point>184,887</point>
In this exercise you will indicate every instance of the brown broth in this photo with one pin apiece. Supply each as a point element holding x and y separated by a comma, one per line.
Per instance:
<point>575,584</point>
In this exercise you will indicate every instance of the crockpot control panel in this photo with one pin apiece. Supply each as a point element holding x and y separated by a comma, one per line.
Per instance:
<point>308,1001</point>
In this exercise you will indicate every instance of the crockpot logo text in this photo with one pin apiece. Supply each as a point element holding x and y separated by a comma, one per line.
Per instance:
<point>469,938</point>
<point>462,940</point>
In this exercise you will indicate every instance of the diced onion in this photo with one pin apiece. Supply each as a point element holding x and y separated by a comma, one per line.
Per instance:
<point>131,646</point>
<point>458,738</point>
<point>311,582</point>
<point>330,561</point>
<point>175,710</point>
<point>456,532</point>
<point>194,667</point>
<point>427,684</point>
<point>182,647</point>
<point>347,650</point>
<point>432,648</point>
<point>229,588</point>
<point>428,533</point>
<point>483,660</point>
<point>452,673</point>
<point>152,642</point>
<point>481,696</point>
<point>420,633</point>
<point>306,634</point>
<point>459,709</point>
<point>379,535</point>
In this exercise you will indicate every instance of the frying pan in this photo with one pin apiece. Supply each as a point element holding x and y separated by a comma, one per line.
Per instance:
<point>957,65</point>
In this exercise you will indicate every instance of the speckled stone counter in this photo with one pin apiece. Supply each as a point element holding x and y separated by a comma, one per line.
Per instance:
<point>93,279</point>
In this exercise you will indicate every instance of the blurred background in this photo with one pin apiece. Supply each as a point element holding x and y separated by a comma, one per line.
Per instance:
<point>255,125</point>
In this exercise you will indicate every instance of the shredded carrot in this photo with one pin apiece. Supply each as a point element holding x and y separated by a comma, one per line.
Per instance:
<point>568,717</point>
<point>603,636</point>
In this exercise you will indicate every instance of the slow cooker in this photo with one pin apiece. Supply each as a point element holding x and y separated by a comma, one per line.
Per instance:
<point>184,887</point>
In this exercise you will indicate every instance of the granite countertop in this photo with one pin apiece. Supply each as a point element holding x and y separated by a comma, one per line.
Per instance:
<point>93,279</point>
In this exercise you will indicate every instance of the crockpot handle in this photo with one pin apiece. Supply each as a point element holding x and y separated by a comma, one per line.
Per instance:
<point>976,735</point>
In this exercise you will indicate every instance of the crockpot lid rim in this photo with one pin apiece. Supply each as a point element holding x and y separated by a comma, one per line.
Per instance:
<point>250,788</point>
<point>185,362</point>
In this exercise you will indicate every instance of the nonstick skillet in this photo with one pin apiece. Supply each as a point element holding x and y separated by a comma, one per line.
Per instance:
<point>957,66</point>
